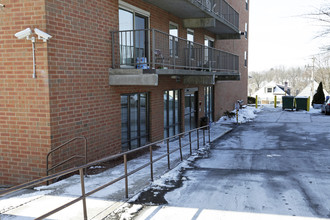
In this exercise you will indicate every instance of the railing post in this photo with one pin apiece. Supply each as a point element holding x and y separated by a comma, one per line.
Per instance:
<point>81,172</point>
<point>203,137</point>
<point>189,54</point>
<point>190,142</point>
<point>209,131</point>
<point>153,49</point>
<point>168,154</point>
<point>174,51</point>
<point>197,139</point>
<point>126,177</point>
<point>85,139</point>
<point>134,50</point>
<point>151,165</point>
<point>180,146</point>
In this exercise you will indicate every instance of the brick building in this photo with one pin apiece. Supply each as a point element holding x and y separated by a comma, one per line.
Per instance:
<point>121,73</point>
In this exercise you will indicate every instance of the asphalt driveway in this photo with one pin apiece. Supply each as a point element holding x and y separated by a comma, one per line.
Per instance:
<point>279,164</point>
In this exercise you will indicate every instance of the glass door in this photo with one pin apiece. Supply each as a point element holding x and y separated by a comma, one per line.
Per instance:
<point>141,43</point>
<point>134,120</point>
<point>126,38</point>
<point>190,108</point>
<point>133,39</point>
<point>209,44</point>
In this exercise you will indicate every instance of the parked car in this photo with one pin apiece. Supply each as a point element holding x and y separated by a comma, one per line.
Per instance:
<point>326,107</point>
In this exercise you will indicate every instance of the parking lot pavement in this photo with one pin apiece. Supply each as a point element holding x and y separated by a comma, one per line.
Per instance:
<point>276,167</point>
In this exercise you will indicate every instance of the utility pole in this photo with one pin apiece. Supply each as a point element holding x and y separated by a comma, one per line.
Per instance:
<point>313,75</point>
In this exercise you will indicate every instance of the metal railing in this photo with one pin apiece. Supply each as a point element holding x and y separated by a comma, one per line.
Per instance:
<point>68,159</point>
<point>221,9</point>
<point>84,195</point>
<point>130,49</point>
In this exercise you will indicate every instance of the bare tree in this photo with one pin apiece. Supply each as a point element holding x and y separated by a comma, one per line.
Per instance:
<point>257,79</point>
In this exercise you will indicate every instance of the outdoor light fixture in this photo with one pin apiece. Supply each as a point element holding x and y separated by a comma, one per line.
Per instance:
<point>2,5</point>
<point>27,35</point>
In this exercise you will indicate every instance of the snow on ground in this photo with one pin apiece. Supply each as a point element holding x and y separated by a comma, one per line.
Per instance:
<point>245,114</point>
<point>112,197</point>
<point>65,190</point>
<point>287,175</point>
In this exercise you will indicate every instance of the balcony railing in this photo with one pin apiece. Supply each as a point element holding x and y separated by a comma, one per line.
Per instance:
<point>154,49</point>
<point>220,9</point>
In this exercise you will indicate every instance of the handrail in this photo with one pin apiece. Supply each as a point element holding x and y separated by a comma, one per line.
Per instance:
<point>71,158</point>
<point>127,174</point>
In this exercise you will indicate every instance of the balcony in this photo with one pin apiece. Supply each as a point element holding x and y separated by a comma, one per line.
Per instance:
<point>216,16</point>
<point>140,56</point>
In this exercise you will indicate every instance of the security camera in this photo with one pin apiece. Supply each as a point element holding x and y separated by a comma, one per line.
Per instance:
<point>24,34</point>
<point>42,35</point>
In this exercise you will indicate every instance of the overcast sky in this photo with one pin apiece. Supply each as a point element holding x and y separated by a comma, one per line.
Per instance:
<point>280,34</point>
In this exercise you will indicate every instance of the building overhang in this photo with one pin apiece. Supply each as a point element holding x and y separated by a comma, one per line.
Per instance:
<point>150,77</point>
<point>197,15</point>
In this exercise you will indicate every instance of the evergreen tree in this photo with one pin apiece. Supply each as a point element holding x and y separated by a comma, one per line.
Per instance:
<point>319,97</point>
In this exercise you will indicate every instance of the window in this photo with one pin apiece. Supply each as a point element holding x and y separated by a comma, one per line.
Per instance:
<point>190,38</point>
<point>269,90</point>
<point>133,36</point>
<point>246,31</point>
<point>209,44</point>
<point>208,100</point>
<point>171,113</point>
<point>134,120</point>
<point>245,58</point>
<point>190,108</point>
<point>247,4</point>
<point>174,41</point>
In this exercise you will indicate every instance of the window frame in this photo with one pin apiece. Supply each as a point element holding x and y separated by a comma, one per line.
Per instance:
<point>246,31</point>
<point>207,47</point>
<point>190,44</point>
<point>175,123</point>
<point>176,39</point>
<point>135,10</point>
<point>209,91</point>
<point>129,140</point>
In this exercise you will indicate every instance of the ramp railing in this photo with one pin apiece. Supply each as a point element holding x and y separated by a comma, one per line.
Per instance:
<point>84,195</point>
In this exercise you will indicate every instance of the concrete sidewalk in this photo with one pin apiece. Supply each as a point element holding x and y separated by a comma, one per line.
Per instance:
<point>29,204</point>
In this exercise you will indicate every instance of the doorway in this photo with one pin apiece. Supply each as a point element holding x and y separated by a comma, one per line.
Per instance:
<point>133,37</point>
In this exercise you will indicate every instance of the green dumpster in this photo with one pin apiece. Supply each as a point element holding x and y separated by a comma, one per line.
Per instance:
<point>301,103</point>
<point>288,102</point>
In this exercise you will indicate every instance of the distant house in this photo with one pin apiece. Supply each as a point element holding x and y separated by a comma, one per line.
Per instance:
<point>267,93</point>
<point>309,91</point>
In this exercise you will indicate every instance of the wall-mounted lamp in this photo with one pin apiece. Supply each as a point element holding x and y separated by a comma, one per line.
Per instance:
<point>27,34</point>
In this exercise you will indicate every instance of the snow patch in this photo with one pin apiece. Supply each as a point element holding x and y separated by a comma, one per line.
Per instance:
<point>244,115</point>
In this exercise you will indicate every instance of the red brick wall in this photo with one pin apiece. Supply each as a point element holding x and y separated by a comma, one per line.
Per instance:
<point>24,101</point>
<point>227,92</point>
<point>71,95</point>
<point>82,102</point>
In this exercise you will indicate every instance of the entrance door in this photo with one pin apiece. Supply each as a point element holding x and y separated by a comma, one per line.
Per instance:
<point>190,108</point>
<point>133,37</point>
<point>209,44</point>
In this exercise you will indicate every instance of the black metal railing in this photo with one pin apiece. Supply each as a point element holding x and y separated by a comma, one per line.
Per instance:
<point>154,49</point>
<point>205,132</point>
<point>221,9</point>
<point>73,157</point>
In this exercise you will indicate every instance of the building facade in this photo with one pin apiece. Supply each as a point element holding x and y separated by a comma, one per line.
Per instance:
<point>121,73</point>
